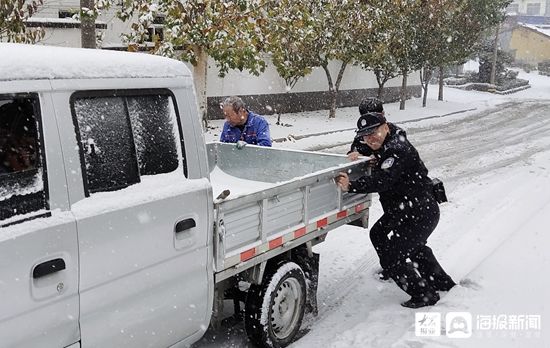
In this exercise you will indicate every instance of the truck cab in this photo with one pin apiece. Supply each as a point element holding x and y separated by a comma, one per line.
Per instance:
<point>105,203</point>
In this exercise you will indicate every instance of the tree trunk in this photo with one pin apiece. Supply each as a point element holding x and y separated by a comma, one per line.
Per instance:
<point>380,94</point>
<point>333,99</point>
<point>381,82</point>
<point>333,94</point>
<point>441,78</point>
<point>334,88</point>
<point>425,77</point>
<point>495,55</point>
<point>425,96</point>
<point>87,25</point>
<point>337,86</point>
<point>403,92</point>
<point>200,71</point>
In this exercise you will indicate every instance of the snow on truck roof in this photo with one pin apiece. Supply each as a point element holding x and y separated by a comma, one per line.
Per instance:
<point>37,62</point>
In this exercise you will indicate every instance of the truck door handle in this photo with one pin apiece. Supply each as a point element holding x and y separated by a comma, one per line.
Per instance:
<point>185,225</point>
<point>48,267</point>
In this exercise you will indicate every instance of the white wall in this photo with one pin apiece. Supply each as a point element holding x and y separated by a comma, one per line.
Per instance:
<point>66,37</point>
<point>243,83</point>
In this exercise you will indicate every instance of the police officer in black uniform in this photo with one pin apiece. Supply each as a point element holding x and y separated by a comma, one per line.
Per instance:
<point>411,212</point>
<point>358,148</point>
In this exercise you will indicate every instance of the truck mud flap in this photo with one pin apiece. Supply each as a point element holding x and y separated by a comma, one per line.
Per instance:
<point>310,266</point>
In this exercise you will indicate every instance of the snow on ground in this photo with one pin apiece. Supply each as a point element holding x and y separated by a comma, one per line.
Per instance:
<point>492,235</point>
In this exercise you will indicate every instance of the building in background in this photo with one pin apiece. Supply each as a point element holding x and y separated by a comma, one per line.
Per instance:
<point>526,32</point>
<point>530,11</point>
<point>529,44</point>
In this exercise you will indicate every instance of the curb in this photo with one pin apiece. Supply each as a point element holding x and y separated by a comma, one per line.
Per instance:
<point>437,116</point>
<point>303,136</point>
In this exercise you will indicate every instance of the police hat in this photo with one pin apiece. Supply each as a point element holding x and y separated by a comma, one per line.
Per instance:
<point>367,123</point>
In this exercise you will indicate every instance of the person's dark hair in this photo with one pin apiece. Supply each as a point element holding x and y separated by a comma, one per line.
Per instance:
<point>371,105</point>
<point>235,102</point>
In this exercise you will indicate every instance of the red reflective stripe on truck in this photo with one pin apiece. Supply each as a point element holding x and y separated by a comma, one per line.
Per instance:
<point>247,255</point>
<point>275,242</point>
<point>342,214</point>
<point>299,232</point>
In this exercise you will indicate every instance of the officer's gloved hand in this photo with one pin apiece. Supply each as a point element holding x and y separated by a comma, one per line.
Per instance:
<point>240,144</point>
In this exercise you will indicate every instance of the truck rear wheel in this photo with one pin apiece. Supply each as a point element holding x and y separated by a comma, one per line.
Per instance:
<point>275,308</point>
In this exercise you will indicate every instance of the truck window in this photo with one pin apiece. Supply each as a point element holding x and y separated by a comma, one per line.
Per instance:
<point>22,179</point>
<point>152,119</point>
<point>124,137</point>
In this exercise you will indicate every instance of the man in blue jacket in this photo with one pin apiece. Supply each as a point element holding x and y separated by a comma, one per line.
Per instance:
<point>243,125</point>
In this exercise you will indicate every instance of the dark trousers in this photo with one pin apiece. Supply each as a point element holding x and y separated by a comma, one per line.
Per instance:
<point>403,235</point>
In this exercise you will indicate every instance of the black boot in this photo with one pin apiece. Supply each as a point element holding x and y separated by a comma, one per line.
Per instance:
<point>431,270</point>
<point>410,281</point>
<point>421,302</point>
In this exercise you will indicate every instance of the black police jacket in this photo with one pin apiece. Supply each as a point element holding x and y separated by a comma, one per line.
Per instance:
<point>398,175</point>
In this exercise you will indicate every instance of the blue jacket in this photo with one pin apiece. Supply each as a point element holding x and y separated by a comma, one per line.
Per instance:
<point>255,132</point>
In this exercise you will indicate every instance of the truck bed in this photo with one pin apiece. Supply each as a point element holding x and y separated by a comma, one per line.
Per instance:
<point>278,199</point>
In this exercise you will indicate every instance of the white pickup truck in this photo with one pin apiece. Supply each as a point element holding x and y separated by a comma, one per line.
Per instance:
<point>111,234</point>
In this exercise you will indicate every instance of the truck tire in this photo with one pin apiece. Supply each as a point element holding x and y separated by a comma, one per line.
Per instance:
<point>275,308</point>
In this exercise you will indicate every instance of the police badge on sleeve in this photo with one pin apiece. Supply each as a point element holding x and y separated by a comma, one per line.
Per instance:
<point>388,162</point>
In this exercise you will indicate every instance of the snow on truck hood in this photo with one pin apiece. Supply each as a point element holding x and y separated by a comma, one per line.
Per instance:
<point>36,62</point>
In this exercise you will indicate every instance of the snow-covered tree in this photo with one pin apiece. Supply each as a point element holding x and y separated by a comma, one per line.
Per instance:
<point>435,25</point>
<point>376,54</point>
<point>403,19</point>
<point>382,64</point>
<point>13,14</point>
<point>228,31</point>
<point>291,37</point>
<point>468,21</point>
<point>304,35</point>
<point>427,34</point>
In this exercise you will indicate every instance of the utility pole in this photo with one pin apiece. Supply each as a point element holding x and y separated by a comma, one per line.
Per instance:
<point>87,24</point>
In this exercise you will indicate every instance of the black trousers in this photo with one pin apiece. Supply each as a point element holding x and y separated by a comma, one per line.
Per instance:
<point>402,235</point>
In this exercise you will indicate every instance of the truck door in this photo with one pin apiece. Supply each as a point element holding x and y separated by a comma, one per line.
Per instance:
<point>142,223</point>
<point>38,247</point>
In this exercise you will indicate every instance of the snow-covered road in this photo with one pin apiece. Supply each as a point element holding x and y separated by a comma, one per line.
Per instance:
<point>495,165</point>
